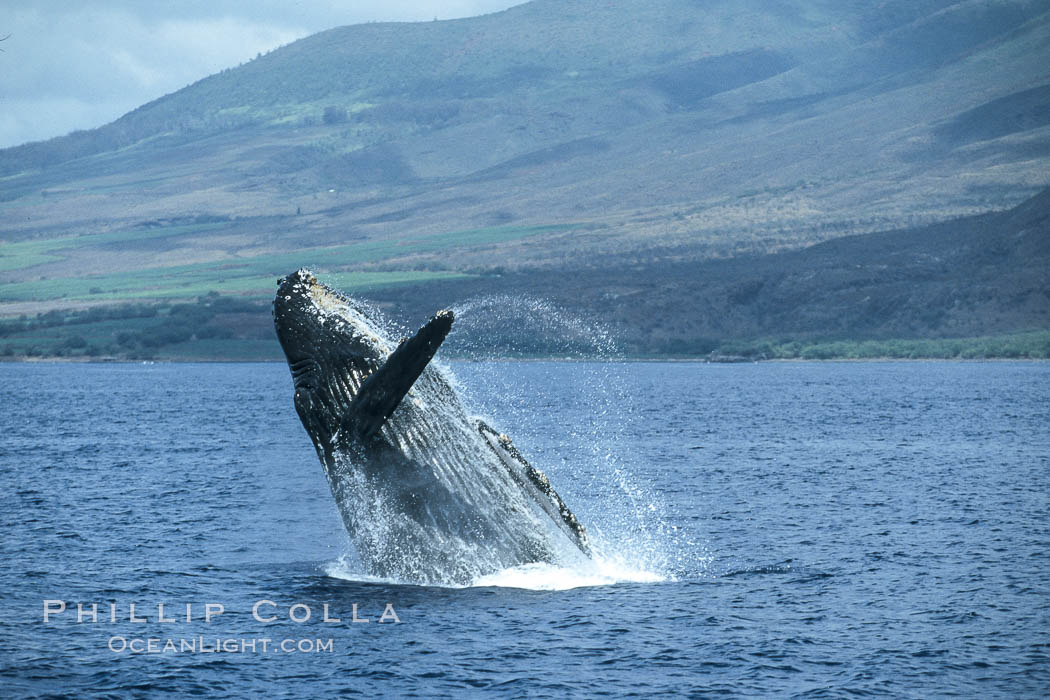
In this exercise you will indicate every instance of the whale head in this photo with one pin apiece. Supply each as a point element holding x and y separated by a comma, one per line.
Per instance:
<point>332,344</point>
<point>315,322</point>
<point>348,377</point>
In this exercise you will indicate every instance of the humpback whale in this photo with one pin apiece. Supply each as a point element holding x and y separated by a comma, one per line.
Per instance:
<point>427,493</point>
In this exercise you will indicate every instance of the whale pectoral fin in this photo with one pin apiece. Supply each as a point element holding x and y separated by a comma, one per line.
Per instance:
<point>535,483</point>
<point>382,392</point>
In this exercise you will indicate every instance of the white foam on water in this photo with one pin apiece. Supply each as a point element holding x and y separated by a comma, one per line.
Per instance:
<point>342,570</point>
<point>549,577</point>
<point>539,576</point>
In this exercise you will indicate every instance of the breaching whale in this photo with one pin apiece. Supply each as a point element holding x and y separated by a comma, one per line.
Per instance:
<point>427,493</point>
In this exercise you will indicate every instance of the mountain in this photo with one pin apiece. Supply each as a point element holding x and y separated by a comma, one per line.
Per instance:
<point>558,135</point>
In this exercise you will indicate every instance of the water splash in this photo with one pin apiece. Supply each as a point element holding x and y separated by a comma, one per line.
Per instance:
<point>592,457</point>
<point>538,576</point>
<point>502,326</point>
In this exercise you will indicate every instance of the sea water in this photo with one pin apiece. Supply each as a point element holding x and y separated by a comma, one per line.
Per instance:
<point>764,530</point>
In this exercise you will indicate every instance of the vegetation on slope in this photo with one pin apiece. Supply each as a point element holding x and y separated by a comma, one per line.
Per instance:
<point>972,288</point>
<point>218,328</point>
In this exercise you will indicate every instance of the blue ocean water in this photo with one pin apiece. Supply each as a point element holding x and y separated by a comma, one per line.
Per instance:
<point>767,530</point>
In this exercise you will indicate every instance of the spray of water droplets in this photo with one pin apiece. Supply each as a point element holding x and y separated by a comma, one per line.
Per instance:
<point>503,327</point>
<point>589,450</point>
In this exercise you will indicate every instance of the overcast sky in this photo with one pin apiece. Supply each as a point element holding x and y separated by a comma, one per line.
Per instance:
<point>76,65</point>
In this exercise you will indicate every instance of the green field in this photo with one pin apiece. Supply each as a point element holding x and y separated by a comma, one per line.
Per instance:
<point>249,276</point>
<point>189,281</point>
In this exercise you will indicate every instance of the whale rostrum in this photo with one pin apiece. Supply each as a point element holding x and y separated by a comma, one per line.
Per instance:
<point>427,493</point>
